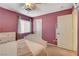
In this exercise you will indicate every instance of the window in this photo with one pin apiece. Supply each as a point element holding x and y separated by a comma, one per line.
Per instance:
<point>24,26</point>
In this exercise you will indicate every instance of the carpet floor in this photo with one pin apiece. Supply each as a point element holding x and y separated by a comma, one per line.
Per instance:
<point>56,51</point>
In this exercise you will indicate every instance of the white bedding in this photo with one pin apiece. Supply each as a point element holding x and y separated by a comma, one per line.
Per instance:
<point>8,49</point>
<point>35,48</point>
<point>37,39</point>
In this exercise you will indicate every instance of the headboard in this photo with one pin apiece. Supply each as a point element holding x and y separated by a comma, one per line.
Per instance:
<point>7,37</point>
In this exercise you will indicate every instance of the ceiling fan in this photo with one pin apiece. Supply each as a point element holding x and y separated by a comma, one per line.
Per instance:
<point>30,6</point>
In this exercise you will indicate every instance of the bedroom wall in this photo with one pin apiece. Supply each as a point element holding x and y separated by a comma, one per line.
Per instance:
<point>49,24</point>
<point>9,21</point>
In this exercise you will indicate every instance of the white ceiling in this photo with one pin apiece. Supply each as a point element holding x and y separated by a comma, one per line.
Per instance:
<point>42,8</point>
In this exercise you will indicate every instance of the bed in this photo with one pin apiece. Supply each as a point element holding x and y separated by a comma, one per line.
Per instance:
<point>23,47</point>
<point>30,48</point>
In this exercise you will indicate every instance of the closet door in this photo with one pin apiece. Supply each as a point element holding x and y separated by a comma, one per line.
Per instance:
<point>64,31</point>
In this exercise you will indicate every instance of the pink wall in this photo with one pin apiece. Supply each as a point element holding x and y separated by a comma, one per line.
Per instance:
<point>8,21</point>
<point>49,22</point>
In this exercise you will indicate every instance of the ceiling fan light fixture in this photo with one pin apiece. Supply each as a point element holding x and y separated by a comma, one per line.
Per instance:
<point>29,6</point>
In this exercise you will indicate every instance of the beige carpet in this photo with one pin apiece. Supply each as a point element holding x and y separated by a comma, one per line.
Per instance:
<point>56,51</point>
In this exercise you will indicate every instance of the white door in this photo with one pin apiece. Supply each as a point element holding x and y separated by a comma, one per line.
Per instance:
<point>64,31</point>
<point>38,26</point>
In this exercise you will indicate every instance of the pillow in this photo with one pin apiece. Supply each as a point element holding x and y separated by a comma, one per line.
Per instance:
<point>36,38</point>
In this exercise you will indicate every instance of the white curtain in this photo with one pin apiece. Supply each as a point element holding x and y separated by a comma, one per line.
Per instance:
<point>24,26</point>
